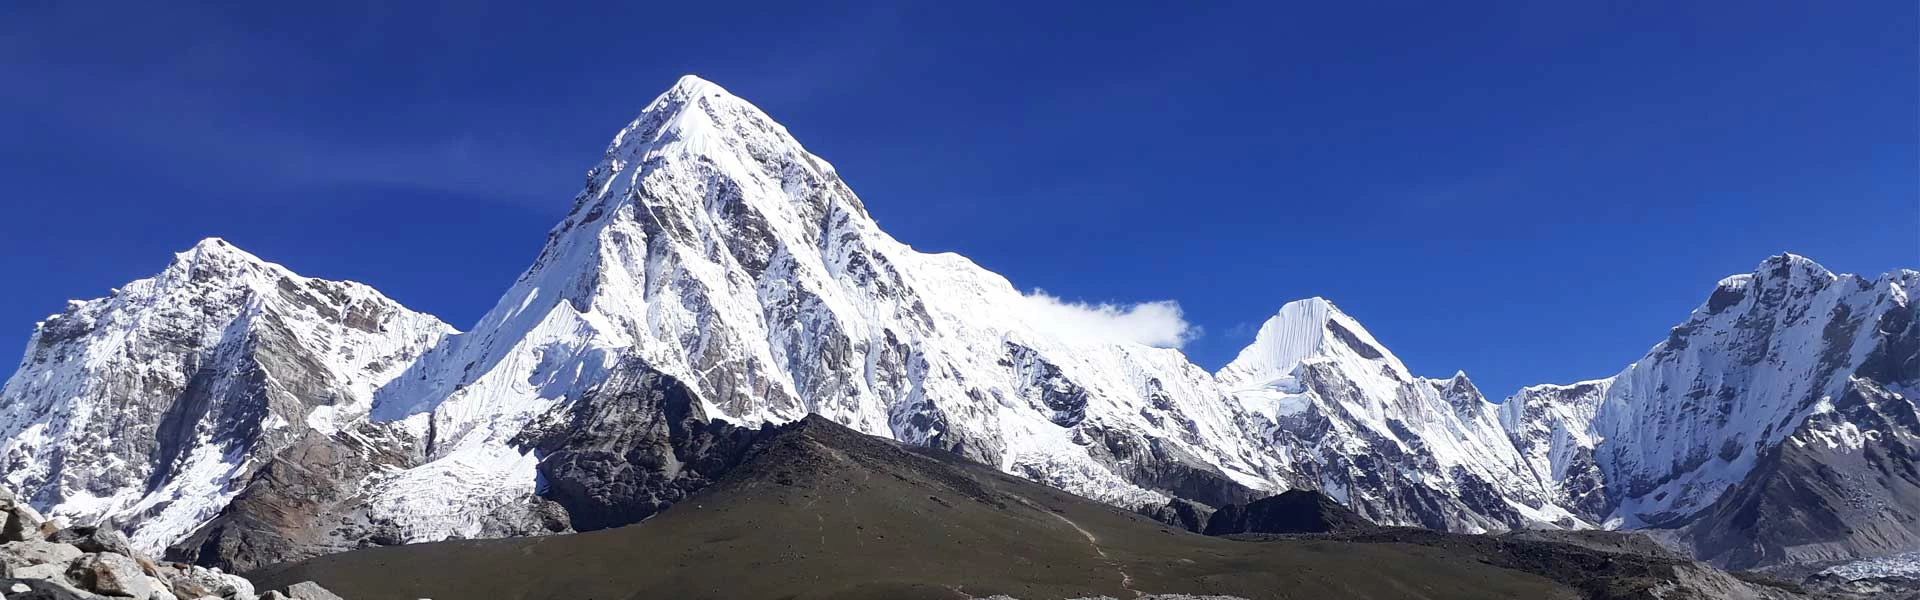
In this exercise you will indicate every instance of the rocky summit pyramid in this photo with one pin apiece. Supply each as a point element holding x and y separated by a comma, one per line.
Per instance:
<point>713,280</point>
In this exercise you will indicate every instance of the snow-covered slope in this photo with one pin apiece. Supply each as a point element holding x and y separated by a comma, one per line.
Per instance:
<point>711,246</point>
<point>1395,447</point>
<point>150,406</point>
<point>1674,432</point>
<point>1551,427</point>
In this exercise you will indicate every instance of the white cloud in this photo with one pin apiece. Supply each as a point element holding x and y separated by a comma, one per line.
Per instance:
<point>1152,323</point>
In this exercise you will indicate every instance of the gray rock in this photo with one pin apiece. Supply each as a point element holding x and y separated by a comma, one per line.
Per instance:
<point>27,554</point>
<point>113,575</point>
<point>307,590</point>
<point>94,539</point>
<point>52,572</point>
<point>274,596</point>
<point>22,523</point>
<point>194,581</point>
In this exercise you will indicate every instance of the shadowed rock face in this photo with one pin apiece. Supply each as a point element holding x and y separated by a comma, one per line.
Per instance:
<point>300,504</point>
<point>632,447</point>
<point>1293,511</point>
<point>1845,485</point>
<point>1185,514</point>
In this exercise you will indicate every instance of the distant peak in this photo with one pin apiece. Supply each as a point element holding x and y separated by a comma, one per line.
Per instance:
<point>1305,329</point>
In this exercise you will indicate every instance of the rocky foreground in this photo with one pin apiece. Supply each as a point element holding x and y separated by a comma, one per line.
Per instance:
<point>40,560</point>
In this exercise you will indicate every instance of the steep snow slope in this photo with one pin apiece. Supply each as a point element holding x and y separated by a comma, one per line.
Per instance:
<point>1394,447</point>
<point>711,246</point>
<point>1759,366</point>
<point>150,406</point>
<point>1550,426</point>
<point>1688,420</point>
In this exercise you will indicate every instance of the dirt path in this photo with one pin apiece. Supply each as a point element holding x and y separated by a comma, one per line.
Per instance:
<point>1126,580</point>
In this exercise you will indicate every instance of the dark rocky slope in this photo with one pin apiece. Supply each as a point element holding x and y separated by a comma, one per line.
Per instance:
<point>1293,511</point>
<point>1846,484</point>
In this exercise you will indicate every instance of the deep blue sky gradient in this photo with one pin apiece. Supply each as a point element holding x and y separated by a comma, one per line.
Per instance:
<point>1531,192</point>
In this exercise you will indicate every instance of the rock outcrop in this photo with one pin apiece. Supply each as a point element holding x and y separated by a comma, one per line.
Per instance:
<point>93,563</point>
<point>1294,511</point>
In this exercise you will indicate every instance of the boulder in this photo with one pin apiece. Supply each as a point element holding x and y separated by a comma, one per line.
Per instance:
<point>19,555</point>
<point>23,523</point>
<point>307,590</point>
<point>53,572</point>
<point>194,581</point>
<point>160,591</point>
<point>111,574</point>
<point>40,589</point>
<point>274,596</point>
<point>94,539</point>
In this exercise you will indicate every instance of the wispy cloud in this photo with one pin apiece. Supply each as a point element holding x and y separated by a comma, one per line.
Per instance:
<point>1158,323</point>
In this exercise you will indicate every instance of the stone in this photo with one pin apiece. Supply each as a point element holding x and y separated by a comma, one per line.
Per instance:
<point>274,596</point>
<point>47,571</point>
<point>160,591</point>
<point>193,581</point>
<point>111,574</point>
<point>307,590</point>
<point>94,539</point>
<point>22,524</point>
<point>27,554</point>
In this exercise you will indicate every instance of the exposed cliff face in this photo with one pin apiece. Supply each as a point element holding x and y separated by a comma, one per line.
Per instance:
<point>633,447</point>
<point>150,407</point>
<point>1845,485</point>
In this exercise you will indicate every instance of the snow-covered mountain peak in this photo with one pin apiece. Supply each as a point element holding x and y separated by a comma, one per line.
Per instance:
<point>146,406</point>
<point>1689,420</point>
<point>710,246</point>
<point>1307,329</point>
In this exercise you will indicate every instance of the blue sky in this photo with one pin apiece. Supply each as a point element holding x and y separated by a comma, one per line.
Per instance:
<point>1530,192</point>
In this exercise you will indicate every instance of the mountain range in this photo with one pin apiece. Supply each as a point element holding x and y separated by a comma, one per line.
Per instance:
<point>714,281</point>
